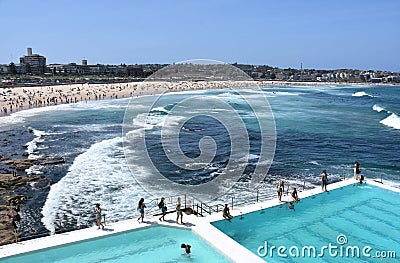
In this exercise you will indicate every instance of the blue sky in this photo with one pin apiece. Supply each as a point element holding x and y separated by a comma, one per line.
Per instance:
<point>322,34</point>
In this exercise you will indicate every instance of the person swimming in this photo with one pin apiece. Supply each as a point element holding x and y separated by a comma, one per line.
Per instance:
<point>361,179</point>
<point>186,247</point>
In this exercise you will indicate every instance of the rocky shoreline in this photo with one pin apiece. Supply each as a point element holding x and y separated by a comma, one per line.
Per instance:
<point>10,199</point>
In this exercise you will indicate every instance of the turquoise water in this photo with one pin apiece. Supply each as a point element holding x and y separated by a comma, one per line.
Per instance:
<point>366,215</point>
<point>153,244</point>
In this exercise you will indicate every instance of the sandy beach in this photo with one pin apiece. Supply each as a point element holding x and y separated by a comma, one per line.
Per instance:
<point>14,99</point>
<point>20,98</point>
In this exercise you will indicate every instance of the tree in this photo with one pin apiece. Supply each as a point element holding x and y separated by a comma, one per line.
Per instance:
<point>12,68</point>
<point>28,68</point>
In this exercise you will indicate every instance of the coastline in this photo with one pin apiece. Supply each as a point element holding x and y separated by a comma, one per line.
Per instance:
<point>13,179</point>
<point>22,98</point>
<point>114,91</point>
<point>15,99</point>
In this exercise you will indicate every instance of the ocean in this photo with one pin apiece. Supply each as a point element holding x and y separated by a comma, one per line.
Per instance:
<point>317,127</point>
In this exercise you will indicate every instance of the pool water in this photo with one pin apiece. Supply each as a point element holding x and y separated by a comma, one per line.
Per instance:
<point>152,244</point>
<point>356,215</point>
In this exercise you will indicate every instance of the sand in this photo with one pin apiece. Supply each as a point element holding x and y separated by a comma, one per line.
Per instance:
<point>19,98</point>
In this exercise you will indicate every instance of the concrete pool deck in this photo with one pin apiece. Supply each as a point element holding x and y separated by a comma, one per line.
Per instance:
<point>199,225</point>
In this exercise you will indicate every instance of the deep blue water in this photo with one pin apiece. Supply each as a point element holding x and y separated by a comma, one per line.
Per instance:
<point>318,127</point>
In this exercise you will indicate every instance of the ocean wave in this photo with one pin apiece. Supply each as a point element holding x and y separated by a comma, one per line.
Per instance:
<point>378,108</point>
<point>186,92</point>
<point>21,116</point>
<point>33,145</point>
<point>96,176</point>
<point>392,121</point>
<point>159,109</point>
<point>361,94</point>
<point>314,163</point>
<point>157,117</point>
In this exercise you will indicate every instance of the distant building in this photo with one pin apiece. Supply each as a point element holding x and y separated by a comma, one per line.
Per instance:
<point>376,80</point>
<point>3,69</point>
<point>33,63</point>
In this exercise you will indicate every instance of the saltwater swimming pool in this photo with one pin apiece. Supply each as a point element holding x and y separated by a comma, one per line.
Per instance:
<point>151,244</point>
<point>356,223</point>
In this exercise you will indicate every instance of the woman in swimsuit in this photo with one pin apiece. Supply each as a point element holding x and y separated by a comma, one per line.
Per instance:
<point>97,210</point>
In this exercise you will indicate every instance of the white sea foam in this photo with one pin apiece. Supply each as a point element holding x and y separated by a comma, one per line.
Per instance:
<point>98,175</point>
<point>361,94</point>
<point>378,108</point>
<point>392,121</point>
<point>34,169</point>
<point>21,116</point>
<point>186,92</point>
<point>159,109</point>
<point>153,119</point>
<point>253,156</point>
<point>33,145</point>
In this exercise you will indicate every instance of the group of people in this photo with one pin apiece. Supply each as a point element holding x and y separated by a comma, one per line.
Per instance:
<point>225,212</point>
<point>280,188</point>
<point>179,213</point>
<point>294,195</point>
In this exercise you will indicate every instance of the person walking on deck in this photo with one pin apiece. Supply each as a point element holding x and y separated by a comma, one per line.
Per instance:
<point>97,210</point>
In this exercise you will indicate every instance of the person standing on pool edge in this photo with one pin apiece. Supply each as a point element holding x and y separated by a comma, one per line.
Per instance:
<point>97,210</point>
<point>324,179</point>
<point>179,211</point>
<point>141,207</point>
<point>357,170</point>
<point>280,188</point>
<point>163,208</point>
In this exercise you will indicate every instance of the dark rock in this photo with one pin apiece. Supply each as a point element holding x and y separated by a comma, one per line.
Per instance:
<point>3,157</point>
<point>20,164</point>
